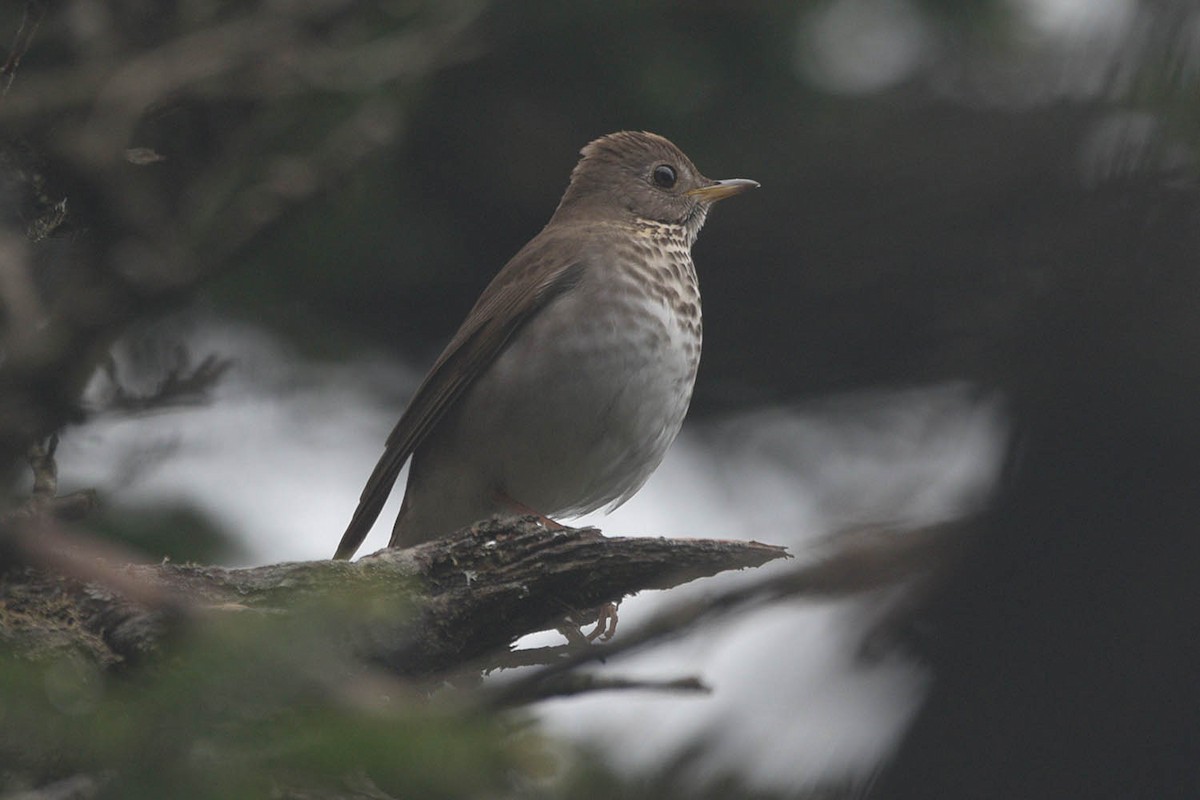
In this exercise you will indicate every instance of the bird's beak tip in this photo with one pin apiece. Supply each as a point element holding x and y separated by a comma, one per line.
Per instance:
<point>719,190</point>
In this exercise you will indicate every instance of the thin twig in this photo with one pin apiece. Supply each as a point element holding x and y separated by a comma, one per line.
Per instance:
<point>35,10</point>
<point>577,683</point>
<point>852,563</point>
<point>44,500</point>
<point>182,384</point>
<point>45,469</point>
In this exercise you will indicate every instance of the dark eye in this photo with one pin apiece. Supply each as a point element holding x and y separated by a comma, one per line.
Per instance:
<point>664,176</point>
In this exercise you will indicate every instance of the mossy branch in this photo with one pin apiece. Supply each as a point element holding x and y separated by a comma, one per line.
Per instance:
<point>471,595</point>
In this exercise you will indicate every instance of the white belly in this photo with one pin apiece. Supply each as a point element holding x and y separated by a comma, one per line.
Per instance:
<point>610,398</point>
<point>574,415</point>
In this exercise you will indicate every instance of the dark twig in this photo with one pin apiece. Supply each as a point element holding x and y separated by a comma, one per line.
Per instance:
<point>34,11</point>
<point>531,656</point>
<point>45,469</point>
<point>163,236</point>
<point>183,384</point>
<point>849,564</point>
<point>577,683</point>
<point>44,501</point>
<point>67,508</point>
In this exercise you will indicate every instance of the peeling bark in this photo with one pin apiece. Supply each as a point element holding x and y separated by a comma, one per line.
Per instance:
<point>475,593</point>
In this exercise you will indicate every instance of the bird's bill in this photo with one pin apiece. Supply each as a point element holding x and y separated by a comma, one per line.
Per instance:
<point>719,190</point>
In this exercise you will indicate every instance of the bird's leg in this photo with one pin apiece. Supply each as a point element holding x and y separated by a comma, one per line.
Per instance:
<point>573,623</point>
<point>517,507</point>
<point>606,615</point>
<point>606,623</point>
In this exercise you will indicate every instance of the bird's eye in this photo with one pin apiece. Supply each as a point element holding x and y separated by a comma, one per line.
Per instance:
<point>664,176</point>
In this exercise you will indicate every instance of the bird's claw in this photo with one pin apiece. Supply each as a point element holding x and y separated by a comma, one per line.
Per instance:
<point>606,623</point>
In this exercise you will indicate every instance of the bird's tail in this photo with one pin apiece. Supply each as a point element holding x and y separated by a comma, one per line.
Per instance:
<point>374,495</point>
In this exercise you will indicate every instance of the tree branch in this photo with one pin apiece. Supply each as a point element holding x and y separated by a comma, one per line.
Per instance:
<point>852,563</point>
<point>472,594</point>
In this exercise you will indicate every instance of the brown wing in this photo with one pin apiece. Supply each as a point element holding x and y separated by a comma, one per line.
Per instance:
<point>507,304</point>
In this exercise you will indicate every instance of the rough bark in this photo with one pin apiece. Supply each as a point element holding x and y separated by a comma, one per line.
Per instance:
<point>472,595</point>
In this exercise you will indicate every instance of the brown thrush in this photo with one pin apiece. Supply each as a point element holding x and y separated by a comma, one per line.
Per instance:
<point>570,377</point>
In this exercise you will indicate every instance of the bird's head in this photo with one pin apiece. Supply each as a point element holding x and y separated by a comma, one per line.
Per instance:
<point>642,176</point>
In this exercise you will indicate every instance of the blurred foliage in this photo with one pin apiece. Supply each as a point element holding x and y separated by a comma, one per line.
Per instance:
<point>176,533</point>
<point>243,708</point>
<point>901,233</point>
<point>685,776</point>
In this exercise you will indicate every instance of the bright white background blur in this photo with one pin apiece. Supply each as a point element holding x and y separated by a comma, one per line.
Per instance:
<point>280,454</point>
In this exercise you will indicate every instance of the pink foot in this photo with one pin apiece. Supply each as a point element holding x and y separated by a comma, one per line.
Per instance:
<point>606,623</point>
<point>517,507</point>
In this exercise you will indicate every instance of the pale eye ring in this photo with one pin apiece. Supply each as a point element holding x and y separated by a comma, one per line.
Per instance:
<point>664,176</point>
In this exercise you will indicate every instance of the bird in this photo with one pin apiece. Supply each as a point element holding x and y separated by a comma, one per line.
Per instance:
<point>571,376</point>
